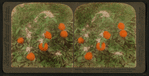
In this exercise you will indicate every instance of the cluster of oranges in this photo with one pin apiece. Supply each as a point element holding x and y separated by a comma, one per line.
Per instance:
<point>122,33</point>
<point>47,35</point>
<point>106,35</point>
<point>64,34</point>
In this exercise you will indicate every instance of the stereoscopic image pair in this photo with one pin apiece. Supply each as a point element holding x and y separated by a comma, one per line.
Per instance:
<point>51,35</point>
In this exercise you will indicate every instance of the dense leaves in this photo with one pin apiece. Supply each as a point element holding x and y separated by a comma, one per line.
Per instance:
<point>26,15</point>
<point>119,52</point>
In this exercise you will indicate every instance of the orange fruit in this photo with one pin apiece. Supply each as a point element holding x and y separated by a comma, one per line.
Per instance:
<point>30,56</point>
<point>80,40</point>
<point>61,26</point>
<point>103,46</point>
<point>45,47</point>
<point>121,26</point>
<point>88,56</point>
<point>20,40</point>
<point>64,34</point>
<point>48,35</point>
<point>123,33</point>
<point>106,35</point>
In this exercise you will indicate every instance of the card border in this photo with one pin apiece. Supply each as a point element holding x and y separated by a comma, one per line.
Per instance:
<point>140,44</point>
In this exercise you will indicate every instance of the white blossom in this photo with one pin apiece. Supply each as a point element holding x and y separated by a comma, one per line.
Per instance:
<point>86,48</point>
<point>22,5</point>
<point>43,35</point>
<point>47,13</point>
<point>58,53</point>
<point>87,25</point>
<point>40,40</point>
<point>118,53</point>
<point>83,29</point>
<point>86,35</point>
<point>101,34</point>
<point>104,13</point>
<point>29,25</point>
<point>98,40</point>
<point>91,45</point>
<point>28,33</point>
<point>28,49</point>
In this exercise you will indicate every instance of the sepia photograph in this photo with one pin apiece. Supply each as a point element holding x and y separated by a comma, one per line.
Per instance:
<point>105,35</point>
<point>42,35</point>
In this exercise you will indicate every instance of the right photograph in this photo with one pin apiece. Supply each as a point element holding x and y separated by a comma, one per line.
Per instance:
<point>105,36</point>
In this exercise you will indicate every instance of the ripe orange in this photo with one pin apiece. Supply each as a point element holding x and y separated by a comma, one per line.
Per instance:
<point>103,46</point>
<point>30,56</point>
<point>88,56</point>
<point>64,34</point>
<point>48,35</point>
<point>80,40</point>
<point>45,47</point>
<point>61,26</point>
<point>123,33</point>
<point>20,40</point>
<point>106,35</point>
<point>121,26</point>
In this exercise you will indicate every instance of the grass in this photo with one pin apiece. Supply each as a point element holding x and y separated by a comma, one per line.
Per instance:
<point>25,15</point>
<point>118,12</point>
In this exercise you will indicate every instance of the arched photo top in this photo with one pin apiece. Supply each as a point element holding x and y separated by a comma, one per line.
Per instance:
<point>51,5</point>
<point>86,13</point>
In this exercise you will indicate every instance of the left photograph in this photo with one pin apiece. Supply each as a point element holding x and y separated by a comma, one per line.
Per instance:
<point>42,35</point>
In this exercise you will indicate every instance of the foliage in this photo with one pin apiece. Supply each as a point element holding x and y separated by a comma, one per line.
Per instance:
<point>25,15</point>
<point>119,12</point>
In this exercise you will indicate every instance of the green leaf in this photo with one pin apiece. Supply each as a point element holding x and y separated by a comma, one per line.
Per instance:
<point>56,13</point>
<point>58,65</point>
<point>14,64</point>
<point>82,53</point>
<point>131,64</point>
<point>19,58</point>
<point>103,19</point>
<point>79,59</point>
<point>18,30</point>
<point>23,48</point>
<point>20,65</point>
<point>25,53</point>
<point>100,45</point>
<point>94,59</point>
<point>111,19</point>
<point>70,22</point>
<point>127,66</point>
<point>54,19</point>
<point>69,66</point>
<point>43,62</point>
